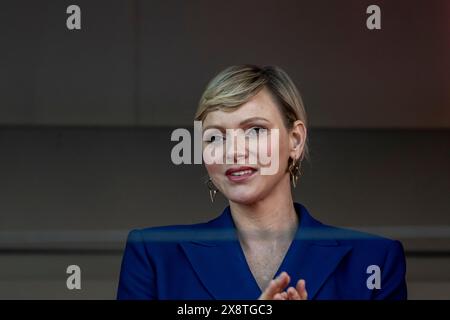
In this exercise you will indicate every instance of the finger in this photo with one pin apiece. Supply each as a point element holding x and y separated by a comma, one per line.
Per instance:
<point>293,294</point>
<point>278,284</point>
<point>269,291</point>
<point>275,286</point>
<point>301,289</point>
<point>278,296</point>
<point>282,280</point>
<point>284,295</point>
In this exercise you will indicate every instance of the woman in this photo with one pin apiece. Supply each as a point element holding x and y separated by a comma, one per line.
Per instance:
<point>263,245</point>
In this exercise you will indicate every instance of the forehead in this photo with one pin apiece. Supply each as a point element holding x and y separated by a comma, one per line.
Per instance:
<point>260,105</point>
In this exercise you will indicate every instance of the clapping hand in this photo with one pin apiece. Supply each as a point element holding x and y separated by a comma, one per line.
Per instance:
<point>276,289</point>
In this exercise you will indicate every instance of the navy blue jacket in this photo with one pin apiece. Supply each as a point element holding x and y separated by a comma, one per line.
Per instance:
<point>206,261</point>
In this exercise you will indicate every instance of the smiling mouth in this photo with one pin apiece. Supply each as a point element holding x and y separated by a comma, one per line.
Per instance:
<point>240,174</point>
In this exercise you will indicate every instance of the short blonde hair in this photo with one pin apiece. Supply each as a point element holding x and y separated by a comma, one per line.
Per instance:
<point>236,85</point>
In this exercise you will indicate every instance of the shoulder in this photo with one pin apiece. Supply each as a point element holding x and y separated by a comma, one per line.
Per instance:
<point>355,237</point>
<point>367,247</point>
<point>359,241</point>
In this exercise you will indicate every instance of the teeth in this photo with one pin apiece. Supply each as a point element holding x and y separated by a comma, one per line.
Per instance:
<point>241,173</point>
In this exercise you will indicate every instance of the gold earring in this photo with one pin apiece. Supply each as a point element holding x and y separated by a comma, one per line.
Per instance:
<point>212,189</point>
<point>294,171</point>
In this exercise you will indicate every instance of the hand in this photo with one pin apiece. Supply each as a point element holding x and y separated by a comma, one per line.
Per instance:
<point>274,290</point>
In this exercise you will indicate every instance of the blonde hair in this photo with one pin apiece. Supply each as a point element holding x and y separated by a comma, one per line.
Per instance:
<point>236,85</point>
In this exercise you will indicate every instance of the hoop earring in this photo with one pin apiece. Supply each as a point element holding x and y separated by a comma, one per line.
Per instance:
<point>212,189</point>
<point>294,171</point>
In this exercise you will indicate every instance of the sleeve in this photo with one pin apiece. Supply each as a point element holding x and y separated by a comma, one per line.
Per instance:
<point>137,276</point>
<point>393,274</point>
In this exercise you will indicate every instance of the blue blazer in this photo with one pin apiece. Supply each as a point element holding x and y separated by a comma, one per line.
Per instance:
<point>206,261</point>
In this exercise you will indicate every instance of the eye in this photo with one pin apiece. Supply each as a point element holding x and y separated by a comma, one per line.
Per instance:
<point>214,138</point>
<point>255,131</point>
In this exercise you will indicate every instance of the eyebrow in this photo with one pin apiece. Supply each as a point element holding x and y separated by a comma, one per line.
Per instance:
<point>246,121</point>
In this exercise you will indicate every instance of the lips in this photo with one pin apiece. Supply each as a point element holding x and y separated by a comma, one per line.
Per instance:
<point>240,173</point>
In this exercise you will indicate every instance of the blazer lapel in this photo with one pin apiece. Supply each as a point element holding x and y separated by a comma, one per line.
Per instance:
<point>313,255</point>
<point>312,262</point>
<point>220,263</point>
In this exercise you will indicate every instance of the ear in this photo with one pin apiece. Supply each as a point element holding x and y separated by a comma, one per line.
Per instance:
<point>297,139</point>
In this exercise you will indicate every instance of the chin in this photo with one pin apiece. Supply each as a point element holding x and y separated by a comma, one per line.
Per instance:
<point>243,197</point>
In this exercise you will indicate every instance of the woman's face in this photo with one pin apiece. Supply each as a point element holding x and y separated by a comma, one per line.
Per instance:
<point>241,181</point>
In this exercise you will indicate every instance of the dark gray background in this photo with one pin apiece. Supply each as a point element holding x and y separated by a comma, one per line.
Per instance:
<point>86,118</point>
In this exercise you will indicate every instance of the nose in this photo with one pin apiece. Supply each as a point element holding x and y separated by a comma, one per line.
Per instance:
<point>236,147</point>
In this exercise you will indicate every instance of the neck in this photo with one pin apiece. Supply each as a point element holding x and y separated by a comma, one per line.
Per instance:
<point>271,217</point>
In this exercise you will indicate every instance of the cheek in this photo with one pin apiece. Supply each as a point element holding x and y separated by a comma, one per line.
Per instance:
<point>213,155</point>
<point>213,169</point>
<point>272,147</point>
<point>283,146</point>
